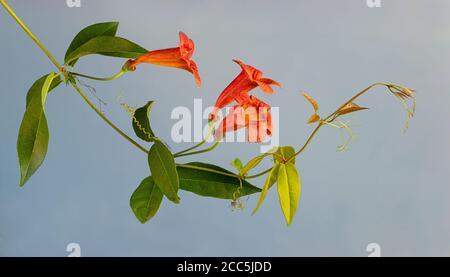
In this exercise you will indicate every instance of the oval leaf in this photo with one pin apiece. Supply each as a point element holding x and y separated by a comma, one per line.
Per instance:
<point>32,142</point>
<point>141,123</point>
<point>270,180</point>
<point>88,33</point>
<point>107,46</point>
<point>288,181</point>
<point>146,199</point>
<point>350,108</point>
<point>164,172</point>
<point>211,184</point>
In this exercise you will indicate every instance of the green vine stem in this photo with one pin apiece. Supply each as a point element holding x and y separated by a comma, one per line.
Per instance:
<point>102,116</point>
<point>120,73</point>
<point>333,116</point>
<point>30,34</point>
<point>72,81</point>
<point>91,105</point>
<point>185,152</point>
<point>258,175</point>
<point>198,152</point>
<point>179,154</point>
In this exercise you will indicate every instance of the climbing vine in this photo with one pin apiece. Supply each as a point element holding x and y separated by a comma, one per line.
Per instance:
<point>166,176</point>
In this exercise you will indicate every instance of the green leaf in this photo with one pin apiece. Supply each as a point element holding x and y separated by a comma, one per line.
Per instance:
<point>270,181</point>
<point>164,172</point>
<point>284,153</point>
<point>211,184</point>
<point>237,163</point>
<point>32,142</point>
<point>107,46</point>
<point>288,190</point>
<point>36,88</point>
<point>254,162</point>
<point>141,122</point>
<point>88,33</point>
<point>146,199</point>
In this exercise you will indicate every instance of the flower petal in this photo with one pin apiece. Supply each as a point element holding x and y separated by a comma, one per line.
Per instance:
<point>187,46</point>
<point>265,87</point>
<point>252,73</point>
<point>232,122</point>
<point>194,71</point>
<point>270,82</point>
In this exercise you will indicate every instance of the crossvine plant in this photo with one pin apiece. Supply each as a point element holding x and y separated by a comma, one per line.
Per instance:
<point>167,176</point>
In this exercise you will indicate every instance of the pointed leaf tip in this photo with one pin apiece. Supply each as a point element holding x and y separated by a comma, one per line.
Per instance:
<point>313,119</point>
<point>350,108</point>
<point>311,101</point>
<point>33,138</point>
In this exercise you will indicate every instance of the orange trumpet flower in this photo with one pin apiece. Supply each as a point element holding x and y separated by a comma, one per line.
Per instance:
<point>178,57</point>
<point>238,89</point>
<point>253,114</point>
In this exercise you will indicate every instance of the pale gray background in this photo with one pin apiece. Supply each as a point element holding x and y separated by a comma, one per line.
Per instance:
<point>390,187</point>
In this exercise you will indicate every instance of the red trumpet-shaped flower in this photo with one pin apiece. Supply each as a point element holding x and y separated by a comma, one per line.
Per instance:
<point>238,89</point>
<point>178,57</point>
<point>253,114</point>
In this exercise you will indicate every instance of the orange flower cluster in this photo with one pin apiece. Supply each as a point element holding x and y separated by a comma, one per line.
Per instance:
<point>250,112</point>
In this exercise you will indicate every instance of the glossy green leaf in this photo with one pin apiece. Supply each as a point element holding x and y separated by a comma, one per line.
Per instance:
<point>141,123</point>
<point>146,199</point>
<point>36,88</point>
<point>211,184</point>
<point>164,171</point>
<point>270,181</point>
<point>284,153</point>
<point>32,142</point>
<point>237,163</point>
<point>288,183</point>
<point>88,33</point>
<point>107,46</point>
